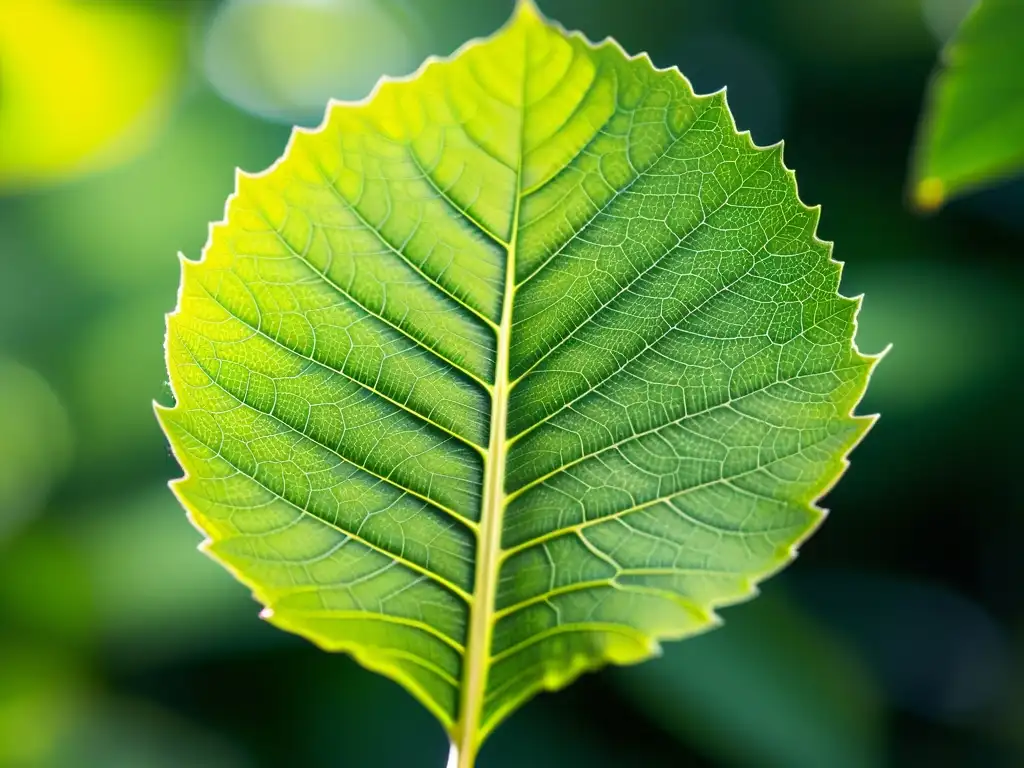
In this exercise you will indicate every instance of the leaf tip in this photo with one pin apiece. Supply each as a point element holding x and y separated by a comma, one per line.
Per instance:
<point>527,10</point>
<point>929,195</point>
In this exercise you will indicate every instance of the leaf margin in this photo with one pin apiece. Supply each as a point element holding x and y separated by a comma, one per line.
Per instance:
<point>750,581</point>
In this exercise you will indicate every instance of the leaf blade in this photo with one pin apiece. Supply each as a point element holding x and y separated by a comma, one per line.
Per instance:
<point>521,475</point>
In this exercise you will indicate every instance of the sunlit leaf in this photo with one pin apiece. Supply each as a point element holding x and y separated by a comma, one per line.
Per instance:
<point>973,129</point>
<point>516,369</point>
<point>82,85</point>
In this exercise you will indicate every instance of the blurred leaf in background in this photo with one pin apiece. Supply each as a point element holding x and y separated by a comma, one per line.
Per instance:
<point>85,85</point>
<point>51,715</point>
<point>772,687</point>
<point>868,31</point>
<point>944,319</point>
<point>937,653</point>
<point>973,128</point>
<point>35,443</point>
<point>141,563</point>
<point>124,579</point>
<point>944,17</point>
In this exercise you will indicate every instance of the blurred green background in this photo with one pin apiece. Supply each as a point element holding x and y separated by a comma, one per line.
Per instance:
<point>897,639</point>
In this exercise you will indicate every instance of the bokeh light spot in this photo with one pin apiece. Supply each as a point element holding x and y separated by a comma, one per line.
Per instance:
<point>285,59</point>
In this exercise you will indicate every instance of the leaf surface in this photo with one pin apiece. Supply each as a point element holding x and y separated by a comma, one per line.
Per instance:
<point>513,370</point>
<point>973,129</point>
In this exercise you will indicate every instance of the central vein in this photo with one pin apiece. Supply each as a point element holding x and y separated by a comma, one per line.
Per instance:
<point>489,551</point>
<point>489,544</point>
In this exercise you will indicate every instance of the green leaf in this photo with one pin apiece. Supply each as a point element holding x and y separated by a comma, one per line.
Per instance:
<point>973,129</point>
<point>513,370</point>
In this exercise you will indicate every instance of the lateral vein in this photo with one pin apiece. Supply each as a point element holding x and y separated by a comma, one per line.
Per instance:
<point>410,564</point>
<point>448,511</point>
<point>401,406</point>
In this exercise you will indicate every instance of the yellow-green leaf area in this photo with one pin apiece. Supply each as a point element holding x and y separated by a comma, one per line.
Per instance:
<point>972,134</point>
<point>519,367</point>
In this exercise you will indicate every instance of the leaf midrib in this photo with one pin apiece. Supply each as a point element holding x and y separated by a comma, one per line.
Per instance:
<point>467,732</point>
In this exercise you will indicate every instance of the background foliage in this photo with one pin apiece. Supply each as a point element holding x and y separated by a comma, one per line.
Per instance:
<point>898,637</point>
<point>974,116</point>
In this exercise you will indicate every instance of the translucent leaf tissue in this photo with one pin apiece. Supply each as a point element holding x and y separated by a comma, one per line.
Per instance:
<point>517,368</point>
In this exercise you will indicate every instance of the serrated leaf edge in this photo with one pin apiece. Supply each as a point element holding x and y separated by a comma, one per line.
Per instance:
<point>750,582</point>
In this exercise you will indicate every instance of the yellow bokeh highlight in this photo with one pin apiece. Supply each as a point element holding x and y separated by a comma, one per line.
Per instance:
<point>930,194</point>
<point>84,85</point>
